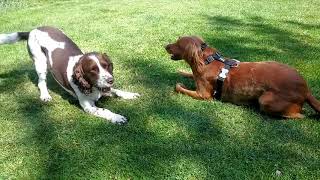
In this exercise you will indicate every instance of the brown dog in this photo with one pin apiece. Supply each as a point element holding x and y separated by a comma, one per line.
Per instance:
<point>277,88</point>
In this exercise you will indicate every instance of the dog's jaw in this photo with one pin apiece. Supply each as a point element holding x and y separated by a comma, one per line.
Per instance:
<point>175,57</point>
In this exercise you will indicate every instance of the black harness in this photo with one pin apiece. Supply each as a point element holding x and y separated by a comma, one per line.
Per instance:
<point>228,64</point>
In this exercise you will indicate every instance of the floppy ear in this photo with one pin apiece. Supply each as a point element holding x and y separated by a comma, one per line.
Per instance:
<point>110,67</point>
<point>194,55</point>
<point>79,80</point>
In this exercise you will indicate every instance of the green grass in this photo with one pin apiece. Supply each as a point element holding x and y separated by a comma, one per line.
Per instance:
<point>169,136</point>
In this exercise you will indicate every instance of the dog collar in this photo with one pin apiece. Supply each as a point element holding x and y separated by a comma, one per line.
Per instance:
<point>228,64</point>
<point>203,46</point>
<point>104,90</point>
<point>216,56</point>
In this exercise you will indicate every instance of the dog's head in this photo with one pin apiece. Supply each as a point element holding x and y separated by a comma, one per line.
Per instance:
<point>93,70</point>
<point>189,49</point>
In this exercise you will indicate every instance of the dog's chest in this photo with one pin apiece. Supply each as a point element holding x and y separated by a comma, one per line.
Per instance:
<point>95,95</point>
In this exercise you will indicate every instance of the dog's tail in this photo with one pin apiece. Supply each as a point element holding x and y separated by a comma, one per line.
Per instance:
<point>313,102</point>
<point>13,37</point>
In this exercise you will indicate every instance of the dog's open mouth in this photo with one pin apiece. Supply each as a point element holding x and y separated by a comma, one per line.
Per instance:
<point>104,89</point>
<point>175,57</point>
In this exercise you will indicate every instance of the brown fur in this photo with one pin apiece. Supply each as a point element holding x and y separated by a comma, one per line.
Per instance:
<point>277,88</point>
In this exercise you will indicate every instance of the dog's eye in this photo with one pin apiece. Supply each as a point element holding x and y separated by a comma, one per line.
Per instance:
<point>93,72</point>
<point>94,69</point>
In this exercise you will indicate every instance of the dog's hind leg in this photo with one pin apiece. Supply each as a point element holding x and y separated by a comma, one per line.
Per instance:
<point>40,62</point>
<point>276,105</point>
<point>293,111</point>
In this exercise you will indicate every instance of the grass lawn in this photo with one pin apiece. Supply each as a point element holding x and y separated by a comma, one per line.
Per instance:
<point>169,136</point>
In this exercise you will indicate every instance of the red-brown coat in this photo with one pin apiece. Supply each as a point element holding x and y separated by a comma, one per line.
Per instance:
<point>276,87</point>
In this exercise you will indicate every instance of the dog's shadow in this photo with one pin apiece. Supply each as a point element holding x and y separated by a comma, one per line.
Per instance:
<point>17,77</point>
<point>54,87</point>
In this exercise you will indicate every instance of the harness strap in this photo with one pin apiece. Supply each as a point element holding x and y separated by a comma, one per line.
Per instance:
<point>216,56</point>
<point>228,64</point>
<point>219,84</point>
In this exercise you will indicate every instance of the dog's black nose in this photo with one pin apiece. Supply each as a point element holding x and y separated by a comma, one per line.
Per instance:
<point>110,80</point>
<point>167,47</point>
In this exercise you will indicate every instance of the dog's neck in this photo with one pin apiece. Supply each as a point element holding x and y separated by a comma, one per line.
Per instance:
<point>199,69</point>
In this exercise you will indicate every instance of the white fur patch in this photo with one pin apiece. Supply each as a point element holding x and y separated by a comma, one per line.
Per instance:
<point>71,63</point>
<point>9,38</point>
<point>40,63</point>
<point>44,40</point>
<point>125,94</point>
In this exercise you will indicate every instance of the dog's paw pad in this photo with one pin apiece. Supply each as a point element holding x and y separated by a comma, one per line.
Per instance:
<point>179,86</point>
<point>118,119</point>
<point>45,98</point>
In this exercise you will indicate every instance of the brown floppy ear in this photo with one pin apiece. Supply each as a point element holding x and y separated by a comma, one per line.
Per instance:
<point>194,55</point>
<point>110,67</point>
<point>79,80</point>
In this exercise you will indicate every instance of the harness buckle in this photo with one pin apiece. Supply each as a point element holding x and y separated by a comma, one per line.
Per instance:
<point>232,62</point>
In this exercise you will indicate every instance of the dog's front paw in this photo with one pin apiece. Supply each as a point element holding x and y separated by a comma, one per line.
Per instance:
<point>118,119</point>
<point>129,95</point>
<point>107,94</point>
<point>45,97</point>
<point>179,87</point>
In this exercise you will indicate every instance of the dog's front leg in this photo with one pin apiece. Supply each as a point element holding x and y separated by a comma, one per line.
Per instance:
<point>186,74</point>
<point>124,94</point>
<point>180,88</point>
<point>89,107</point>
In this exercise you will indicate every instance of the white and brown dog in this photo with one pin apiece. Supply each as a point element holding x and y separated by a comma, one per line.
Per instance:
<point>85,76</point>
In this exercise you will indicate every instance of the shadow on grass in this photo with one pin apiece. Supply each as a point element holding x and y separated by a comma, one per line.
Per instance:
<point>167,138</point>
<point>200,147</point>
<point>12,79</point>
<point>16,77</point>
<point>285,45</point>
